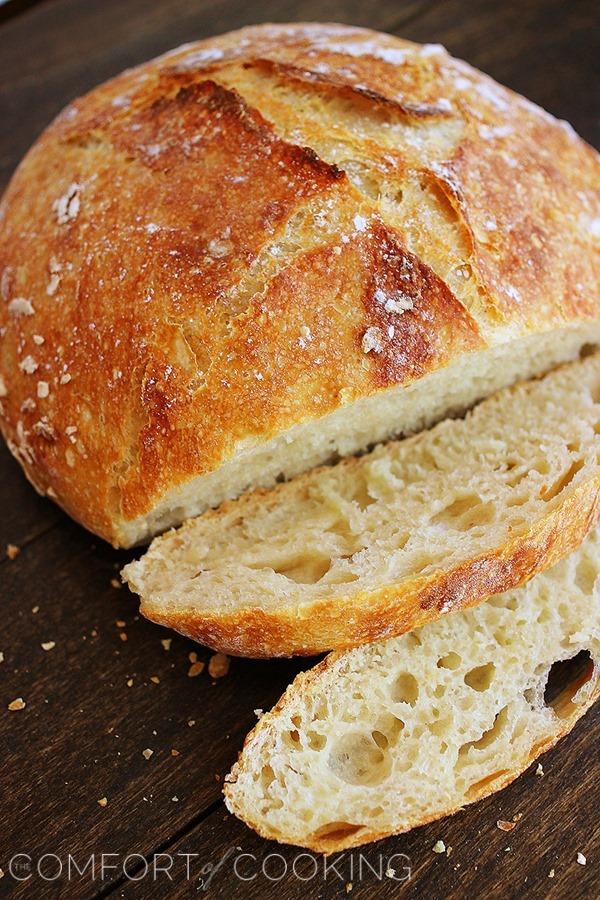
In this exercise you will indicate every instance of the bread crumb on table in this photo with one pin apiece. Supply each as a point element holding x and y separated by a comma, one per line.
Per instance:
<point>166,642</point>
<point>539,771</point>
<point>581,858</point>
<point>17,704</point>
<point>12,551</point>
<point>195,669</point>
<point>147,753</point>
<point>505,826</point>
<point>218,665</point>
<point>439,847</point>
<point>48,645</point>
<point>102,802</point>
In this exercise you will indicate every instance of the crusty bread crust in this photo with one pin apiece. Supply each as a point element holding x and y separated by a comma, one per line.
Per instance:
<point>343,622</point>
<point>147,339</point>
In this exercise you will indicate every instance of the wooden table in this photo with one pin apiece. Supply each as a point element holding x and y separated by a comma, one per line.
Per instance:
<point>110,688</point>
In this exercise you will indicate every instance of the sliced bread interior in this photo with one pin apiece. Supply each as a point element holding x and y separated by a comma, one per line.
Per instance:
<point>391,735</point>
<point>376,545</point>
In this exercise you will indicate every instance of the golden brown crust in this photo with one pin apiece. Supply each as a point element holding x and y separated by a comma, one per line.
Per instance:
<point>143,349</point>
<point>342,622</point>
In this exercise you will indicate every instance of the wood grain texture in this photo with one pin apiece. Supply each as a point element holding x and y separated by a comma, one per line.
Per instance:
<point>60,755</point>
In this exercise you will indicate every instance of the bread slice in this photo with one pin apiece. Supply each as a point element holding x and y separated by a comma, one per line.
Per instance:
<point>388,736</point>
<point>375,546</point>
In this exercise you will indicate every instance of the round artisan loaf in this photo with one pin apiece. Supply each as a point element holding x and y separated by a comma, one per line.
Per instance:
<point>270,248</point>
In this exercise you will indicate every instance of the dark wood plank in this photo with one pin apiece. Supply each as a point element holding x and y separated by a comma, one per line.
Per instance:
<point>25,515</point>
<point>60,754</point>
<point>92,709</point>
<point>544,49</point>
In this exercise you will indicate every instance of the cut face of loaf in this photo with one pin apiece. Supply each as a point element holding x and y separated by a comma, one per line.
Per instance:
<point>375,546</point>
<point>388,736</point>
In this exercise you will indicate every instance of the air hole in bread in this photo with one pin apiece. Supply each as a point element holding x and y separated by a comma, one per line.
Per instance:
<point>303,568</point>
<point>335,832</point>
<point>441,727</point>
<point>485,783</point>
<point>481,677</point>
<point>544,616</point>
<point>514,479</point>
<point>450,661</point>
<point>413,640</point>
<point>316,741</point>
<point>465,512</point>
<point>488,737</point>
<point>380,739</point>
<point>390,727</point>
<point>341,527</point>
<point>361,495</point>
<point>587,350</point>
<point>517,500</point>
<point>518,473</point>
<point>357,759</point>
<point>585,575</point>
<point>565,678</point>
<point>405,689</point>
<point>548,493</point>
<point>341,576</point>
<point>322,711</point>
<point>267,777</point>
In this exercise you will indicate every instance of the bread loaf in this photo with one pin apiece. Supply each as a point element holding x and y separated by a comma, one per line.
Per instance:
<point>373,546</point>
<point>391,735</point>
<point>263,250</point>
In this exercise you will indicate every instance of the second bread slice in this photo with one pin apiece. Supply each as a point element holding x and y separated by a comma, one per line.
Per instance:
<point>375,546</point>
